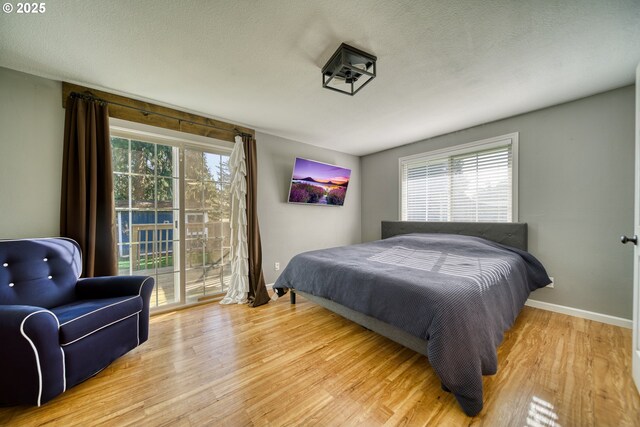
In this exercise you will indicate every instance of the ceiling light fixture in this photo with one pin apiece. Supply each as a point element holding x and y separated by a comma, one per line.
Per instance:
<point>348,70</point>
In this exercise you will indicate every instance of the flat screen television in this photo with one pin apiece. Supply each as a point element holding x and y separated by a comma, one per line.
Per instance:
<point>316,183</point>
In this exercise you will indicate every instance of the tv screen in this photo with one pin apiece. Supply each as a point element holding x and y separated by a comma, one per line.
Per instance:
<point>318,183</point>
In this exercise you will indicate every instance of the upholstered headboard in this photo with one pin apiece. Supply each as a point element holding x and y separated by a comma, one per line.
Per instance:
<point>508,233</point>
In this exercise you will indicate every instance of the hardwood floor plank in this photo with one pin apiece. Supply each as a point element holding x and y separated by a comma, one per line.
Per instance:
<point>303,365</point>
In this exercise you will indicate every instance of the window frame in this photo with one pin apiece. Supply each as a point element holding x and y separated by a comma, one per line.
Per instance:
<point>466,148</point>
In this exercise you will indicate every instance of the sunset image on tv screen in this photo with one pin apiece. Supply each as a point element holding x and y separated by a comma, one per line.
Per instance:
<point>318,183</point>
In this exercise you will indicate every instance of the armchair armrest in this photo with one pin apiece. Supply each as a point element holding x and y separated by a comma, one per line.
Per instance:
<point>115,286</point>
<point>31,359</point>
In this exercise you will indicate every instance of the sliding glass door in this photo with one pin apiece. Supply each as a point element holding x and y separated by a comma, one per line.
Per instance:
<point>159,190</point>
<point>206,217</point>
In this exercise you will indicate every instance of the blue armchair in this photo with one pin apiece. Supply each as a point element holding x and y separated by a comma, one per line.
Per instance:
<point>57,330</point>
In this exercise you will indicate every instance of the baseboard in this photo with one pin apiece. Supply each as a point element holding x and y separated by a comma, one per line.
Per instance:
<point>270,286</point>
<point>584,314</point>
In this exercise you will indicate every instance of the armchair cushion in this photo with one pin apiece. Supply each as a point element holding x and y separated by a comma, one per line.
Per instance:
<point>82,318</point>
<point>39,272</point>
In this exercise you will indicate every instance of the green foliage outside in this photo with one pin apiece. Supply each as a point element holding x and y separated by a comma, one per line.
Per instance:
<point>150,169</point>
<point>202,192</point>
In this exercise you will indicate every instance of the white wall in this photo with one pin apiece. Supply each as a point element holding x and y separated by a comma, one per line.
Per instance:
<point>576,172</point>
<point>31,144</point>
<point>288,229</point>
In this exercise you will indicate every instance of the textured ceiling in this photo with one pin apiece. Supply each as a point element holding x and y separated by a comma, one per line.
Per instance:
<point>442,65</point>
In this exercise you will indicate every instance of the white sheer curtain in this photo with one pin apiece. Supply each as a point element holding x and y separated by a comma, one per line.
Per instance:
<point>239,286</point>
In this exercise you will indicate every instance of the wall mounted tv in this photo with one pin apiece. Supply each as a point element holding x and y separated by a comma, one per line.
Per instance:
<point>316,183</point>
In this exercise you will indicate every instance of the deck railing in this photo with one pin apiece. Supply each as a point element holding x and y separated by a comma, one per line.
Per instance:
<point>156,235</point>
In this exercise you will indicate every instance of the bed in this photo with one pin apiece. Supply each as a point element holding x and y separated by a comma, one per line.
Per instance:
<point>446,290</point>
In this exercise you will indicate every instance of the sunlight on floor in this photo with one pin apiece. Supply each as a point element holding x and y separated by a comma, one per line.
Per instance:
<point>541,414</point>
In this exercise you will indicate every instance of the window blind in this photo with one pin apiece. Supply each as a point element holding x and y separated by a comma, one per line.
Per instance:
<point>474,186</point>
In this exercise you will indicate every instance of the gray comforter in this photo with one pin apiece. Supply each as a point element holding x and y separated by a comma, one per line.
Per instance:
<point>459,293</point>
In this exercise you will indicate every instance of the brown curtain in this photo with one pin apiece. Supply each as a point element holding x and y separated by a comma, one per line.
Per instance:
<point>258,294</point>
<point>87,206</point>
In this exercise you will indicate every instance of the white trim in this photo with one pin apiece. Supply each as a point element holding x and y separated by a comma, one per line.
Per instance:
<point>64,370</point>
<point>270,286</point>
<point>469,147</point>
<point>577,312</point>
<point>100,328</point>
<point>157,135</point>
<point>142,285</point>
<point>39,238</point>
<point>35,350</point>
<point>98,309</point>
<point>514,175</point>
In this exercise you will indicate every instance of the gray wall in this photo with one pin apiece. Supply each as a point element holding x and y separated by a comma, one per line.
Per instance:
<point>288,229</point>
<point>31,144</point>
<point>31,134</point>
<point>576,187</point>
<point>576,172</point>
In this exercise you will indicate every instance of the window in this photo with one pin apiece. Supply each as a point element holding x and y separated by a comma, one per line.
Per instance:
<point>162,186</point>
<point>474,182</point>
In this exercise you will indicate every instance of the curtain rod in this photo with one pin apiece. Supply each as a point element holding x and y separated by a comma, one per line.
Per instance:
<point>88,96</point>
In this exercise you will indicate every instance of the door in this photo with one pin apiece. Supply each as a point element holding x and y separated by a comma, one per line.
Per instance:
<point>635,355</point>
<point>173,210</point>
<point>146,193</point>
<point>207,214</point>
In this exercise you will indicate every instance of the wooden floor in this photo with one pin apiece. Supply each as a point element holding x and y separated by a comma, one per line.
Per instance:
<point>302,365</point>
<point>198,284</point>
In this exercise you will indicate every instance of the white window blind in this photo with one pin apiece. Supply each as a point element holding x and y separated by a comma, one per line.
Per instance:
<point>475,184</point>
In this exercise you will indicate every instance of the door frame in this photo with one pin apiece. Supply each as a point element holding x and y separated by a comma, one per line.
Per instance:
<point>635,353</point>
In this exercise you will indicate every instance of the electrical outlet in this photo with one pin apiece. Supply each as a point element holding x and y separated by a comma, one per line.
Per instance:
<point>276,266</point>
<point>552,284</point>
